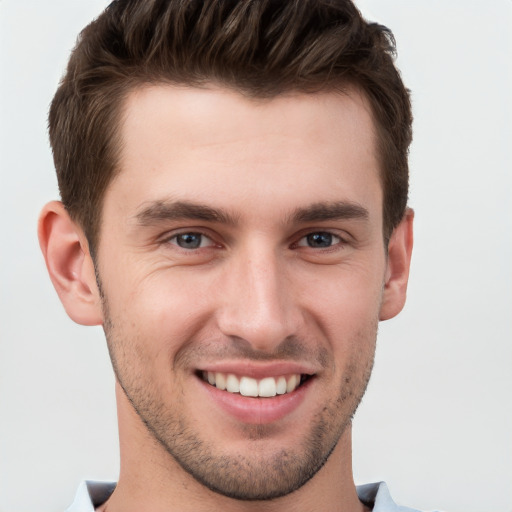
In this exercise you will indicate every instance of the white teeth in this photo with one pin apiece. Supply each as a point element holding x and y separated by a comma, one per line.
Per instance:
<point>267,387</point>
<point>232,384</point>
<point>281,386</point>
<point>248,386</point>
<point>220,380</point>
<point>292,383</point>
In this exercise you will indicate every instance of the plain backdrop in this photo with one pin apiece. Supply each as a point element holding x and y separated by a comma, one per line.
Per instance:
<point>436,423</point>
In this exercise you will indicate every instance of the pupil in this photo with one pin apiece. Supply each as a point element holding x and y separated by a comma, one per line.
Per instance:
<point>189,240</point>
<point>320,240</point>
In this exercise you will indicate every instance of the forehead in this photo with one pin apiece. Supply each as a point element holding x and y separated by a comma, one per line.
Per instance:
<point>233,151</point>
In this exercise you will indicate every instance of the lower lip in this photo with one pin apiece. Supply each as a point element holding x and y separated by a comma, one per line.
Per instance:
<point>259,411</point>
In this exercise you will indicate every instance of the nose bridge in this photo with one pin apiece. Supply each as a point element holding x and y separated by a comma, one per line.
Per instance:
<point>259,305</point>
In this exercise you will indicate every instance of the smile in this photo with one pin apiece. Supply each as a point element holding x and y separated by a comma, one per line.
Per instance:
<point>247,386</point>
<point>256,394</point>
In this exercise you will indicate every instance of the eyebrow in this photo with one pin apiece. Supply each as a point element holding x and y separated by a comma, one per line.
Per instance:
<point>339,210</point>
<point>160,211</point>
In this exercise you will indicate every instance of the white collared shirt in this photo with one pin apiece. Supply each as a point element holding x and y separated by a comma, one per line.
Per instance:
<point>91,495</point>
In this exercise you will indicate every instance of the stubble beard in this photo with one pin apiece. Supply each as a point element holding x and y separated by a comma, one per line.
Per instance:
<point>260,476</point>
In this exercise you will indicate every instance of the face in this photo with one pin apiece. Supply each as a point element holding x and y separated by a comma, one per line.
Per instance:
<point>242,268</point>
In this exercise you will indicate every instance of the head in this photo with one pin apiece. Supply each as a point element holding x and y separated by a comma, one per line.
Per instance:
<point>259,48</point>
<point>234,181</point>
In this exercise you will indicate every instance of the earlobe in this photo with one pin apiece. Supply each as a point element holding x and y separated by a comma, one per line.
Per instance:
<point>398,264</point>
<point>69,263</point>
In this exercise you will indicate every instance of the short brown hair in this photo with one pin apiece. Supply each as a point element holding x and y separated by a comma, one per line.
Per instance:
<point>258,47</point>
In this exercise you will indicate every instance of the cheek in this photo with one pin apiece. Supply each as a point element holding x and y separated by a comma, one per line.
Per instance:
<point>159,313</point>
<point>347,296</point>
<point>347,312</point>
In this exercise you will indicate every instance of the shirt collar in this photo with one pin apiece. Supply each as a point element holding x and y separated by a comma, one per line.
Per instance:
<point>92,494</point>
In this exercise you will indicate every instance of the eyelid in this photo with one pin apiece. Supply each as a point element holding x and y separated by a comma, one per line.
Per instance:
<point>335,237</point>
<point>205,241</point>
<point>343,237</point>
<point>172,235</point>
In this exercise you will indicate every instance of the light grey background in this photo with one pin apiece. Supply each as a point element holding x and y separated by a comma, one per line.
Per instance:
<point>436,423</point>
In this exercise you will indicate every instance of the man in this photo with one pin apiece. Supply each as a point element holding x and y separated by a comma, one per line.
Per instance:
<point>234,185</point>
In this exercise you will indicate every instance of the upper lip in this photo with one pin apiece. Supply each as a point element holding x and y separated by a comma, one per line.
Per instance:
<point>259,370</point>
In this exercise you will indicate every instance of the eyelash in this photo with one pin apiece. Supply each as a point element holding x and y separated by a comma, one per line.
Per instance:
<point>191,233</point>
<point>336,240</point>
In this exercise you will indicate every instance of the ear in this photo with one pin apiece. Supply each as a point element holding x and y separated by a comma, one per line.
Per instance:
<point>397,272</point>
<point>69,263</point>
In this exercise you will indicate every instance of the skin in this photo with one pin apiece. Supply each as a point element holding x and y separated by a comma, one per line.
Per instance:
<point>254,182</point>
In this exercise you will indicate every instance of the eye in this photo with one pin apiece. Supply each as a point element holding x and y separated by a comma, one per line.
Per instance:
<point>319,240</point>
<point>191,240</point>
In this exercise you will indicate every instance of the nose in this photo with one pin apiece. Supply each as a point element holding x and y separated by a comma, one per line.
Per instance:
<point>259,304</point>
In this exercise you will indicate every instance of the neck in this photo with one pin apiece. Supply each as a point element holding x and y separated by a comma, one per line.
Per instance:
<point>151,479</point>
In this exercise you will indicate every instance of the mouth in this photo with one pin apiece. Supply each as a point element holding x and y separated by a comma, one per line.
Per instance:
<point>257,394</point>
<point>266,387</point>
